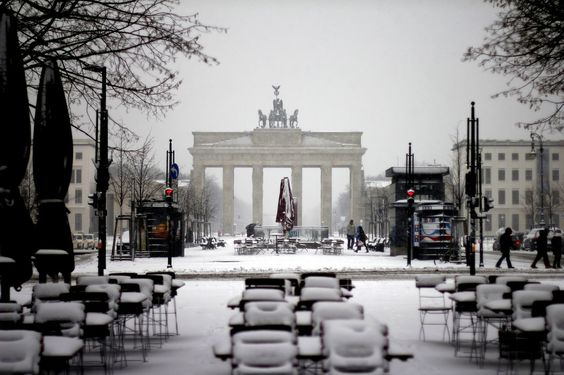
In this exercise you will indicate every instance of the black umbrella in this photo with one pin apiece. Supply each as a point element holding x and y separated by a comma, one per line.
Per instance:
<point>16,227</point>
<point>52,169</point>
<point>286,207</point>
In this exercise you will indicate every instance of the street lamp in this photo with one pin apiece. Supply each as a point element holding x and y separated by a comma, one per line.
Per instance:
<point>533,152</point>
<point>102,173</point>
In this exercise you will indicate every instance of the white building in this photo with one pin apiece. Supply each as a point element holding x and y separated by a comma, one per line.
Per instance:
<point>511,175</point>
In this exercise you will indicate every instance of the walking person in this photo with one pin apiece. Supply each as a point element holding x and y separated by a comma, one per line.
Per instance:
<point>505,244</point>
<point>360,239</point>
<point>542,243</point>
<point>556,244</point>
<point>350,234</point>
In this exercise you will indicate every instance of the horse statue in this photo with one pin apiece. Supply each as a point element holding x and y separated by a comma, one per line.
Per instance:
<point>294,119</point>
<point>262,119</point>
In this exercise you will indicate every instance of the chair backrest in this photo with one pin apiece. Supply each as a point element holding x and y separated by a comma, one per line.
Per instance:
<point>468,282</point>
<point>505,279</point>
<point>60,318</point>
<point>429,281</point>
<point>19,352</point>
<point>321,282</point>
<point>522,301</point>
<point>264,336</point>
<point>265,358</point>
<point>265,282</point>
<point>353,346</point>
<point>490,292</point>
<point>89,280</point>
<point>318,273</point>
<point>555,319</point>
<point>541,286</point>
<point>309,296</point>
<point>269,313</point>
<point>49,291</point>
<point>322,311</point>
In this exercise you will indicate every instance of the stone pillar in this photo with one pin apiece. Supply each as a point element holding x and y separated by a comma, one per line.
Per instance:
<point>198,176</point>
<point>228,198</point>
<point>297,189</point>
<point>355,174</point>
<point>257,193</point>
<point>326,195</point>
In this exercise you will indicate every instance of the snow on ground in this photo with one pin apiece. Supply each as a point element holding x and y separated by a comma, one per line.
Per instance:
<point>203,315</point>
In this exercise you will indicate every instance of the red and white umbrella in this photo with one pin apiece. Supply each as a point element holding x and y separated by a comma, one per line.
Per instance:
<point>286,214</point>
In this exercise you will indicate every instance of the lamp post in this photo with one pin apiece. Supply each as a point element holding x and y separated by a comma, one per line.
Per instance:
<point>102,173</point>
<point>541,151</point>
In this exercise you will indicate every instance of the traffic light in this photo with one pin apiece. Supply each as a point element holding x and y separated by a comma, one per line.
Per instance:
<point>487,203</point>
<point>169,193</point>
<point>470,184</point>
<point>93,200</point>
<point>410,198</point>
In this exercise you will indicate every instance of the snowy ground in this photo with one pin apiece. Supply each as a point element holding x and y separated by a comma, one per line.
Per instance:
<point>388,294</point>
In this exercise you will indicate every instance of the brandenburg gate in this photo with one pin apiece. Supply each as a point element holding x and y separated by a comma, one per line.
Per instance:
<point>280,145</point>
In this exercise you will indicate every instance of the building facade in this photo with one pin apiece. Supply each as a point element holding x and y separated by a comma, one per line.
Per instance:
<point>516,178</point>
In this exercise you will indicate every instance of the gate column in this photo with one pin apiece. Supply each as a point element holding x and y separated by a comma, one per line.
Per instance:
<point>257,193</point>
<point>228,198</point>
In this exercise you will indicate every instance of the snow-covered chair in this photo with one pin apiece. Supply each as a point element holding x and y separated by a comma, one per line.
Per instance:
<point>329,310</point>
<point>90,280</point>
<point>175,285</point>
<point>432,303</point>
<point>354,347</point>
<point>541,286</point>
<point>269,315</point>
<point>485,295</point>
<point>61,326</point>
<point>10,315</point>
<point>523,302</point>
<point>311,295</point>
<point>19,352</point>
<point>465,310</point>
<point>505,279</point>
<point>555,336</point>
<point>264,352</point>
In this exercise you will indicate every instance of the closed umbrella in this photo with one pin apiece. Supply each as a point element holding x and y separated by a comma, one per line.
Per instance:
<point>285,214</point>
<point>16,227</point>
<point>52,169</point>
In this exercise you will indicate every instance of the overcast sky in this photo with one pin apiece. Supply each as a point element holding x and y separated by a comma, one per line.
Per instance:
<point>391,69</point>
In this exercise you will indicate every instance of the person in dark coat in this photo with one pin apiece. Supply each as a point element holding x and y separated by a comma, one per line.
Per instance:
<point>542,243</point>
<point>556,244</point>
<point>505,244</point>
<point>360,239</point>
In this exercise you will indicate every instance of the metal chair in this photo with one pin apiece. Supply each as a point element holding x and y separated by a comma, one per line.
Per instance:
<point>432,303</point>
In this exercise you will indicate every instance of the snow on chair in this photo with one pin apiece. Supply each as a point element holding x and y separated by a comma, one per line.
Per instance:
<point>354,347</point>
<point>555,336</point>
<point>485,294</point>
<point>311,295</point>
<point>61,326</point>
<point>264,352</point>
<point>269,315</point>
<point>432,303</point>
<point>10,315</point>
<point>19,352</point>
<point>329,310</point>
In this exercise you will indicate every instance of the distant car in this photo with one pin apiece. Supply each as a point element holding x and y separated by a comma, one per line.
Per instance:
<point>78,241</point>
<point>530,240</point>
<point>89,241</point>
<point>516,237</point>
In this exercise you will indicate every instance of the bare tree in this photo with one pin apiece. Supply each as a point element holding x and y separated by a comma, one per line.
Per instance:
<point>143,172</point>
<point>121,174</point>
<point>525,43</point>
<point>136,40</point>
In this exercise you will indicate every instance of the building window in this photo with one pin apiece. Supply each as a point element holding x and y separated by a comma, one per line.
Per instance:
<point>501,220</point>
<point>488,226</point>
<point>555,157</point>
<point>76,176</point>
<point>529,197</point>
<point>514,156</point>
<point>528,175</point>
<point>514,175</point>
<point>501,174</point>
<point>488,156</point>
<point>78,155</point>
<point>487,176</point>
<point>555,175</point>
<point>530,156</point>
<point>78,196</point>
<point>488,193</point>
<point>78,222</point>
<point>501,196</point>
<point>515,222</point>
<point>501,156</point>
<point>515,197</point>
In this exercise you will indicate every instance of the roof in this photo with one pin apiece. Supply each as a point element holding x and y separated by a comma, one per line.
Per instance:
<point>422,170</point>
